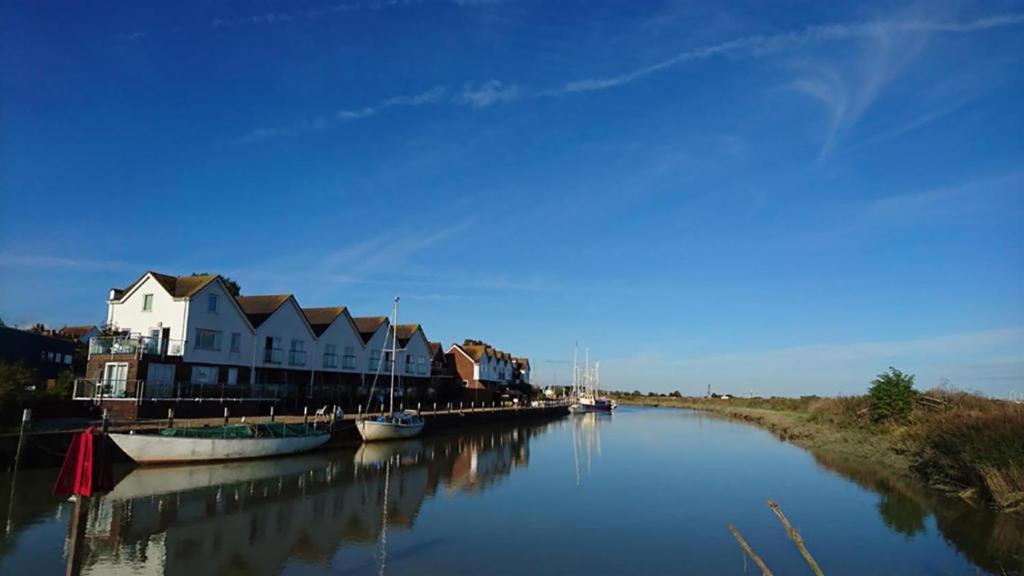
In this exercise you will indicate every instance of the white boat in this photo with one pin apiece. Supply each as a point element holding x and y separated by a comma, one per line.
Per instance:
<point>393,425</point>
<point>586,398</point>
<point>235,442</point>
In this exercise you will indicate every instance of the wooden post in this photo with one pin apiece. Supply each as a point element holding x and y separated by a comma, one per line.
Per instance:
<point>796,538</point>
<point>305,415</point>
<point>225,415</point>
<point>271,412</point>
<point>170,417</point>
<point>26,421</point>
<point>750,551</point>
<point>76,539</point>
<point>106,422</point>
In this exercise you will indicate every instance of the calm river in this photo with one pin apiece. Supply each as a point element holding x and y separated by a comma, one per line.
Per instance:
<point>644,491</point>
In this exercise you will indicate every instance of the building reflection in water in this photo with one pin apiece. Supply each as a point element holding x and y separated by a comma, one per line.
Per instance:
<point>252,517</point>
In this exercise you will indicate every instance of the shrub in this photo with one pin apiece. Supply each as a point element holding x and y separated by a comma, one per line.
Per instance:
<point>892,395</point>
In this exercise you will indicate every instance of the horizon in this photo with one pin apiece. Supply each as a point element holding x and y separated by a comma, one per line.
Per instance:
<point>783,201</point>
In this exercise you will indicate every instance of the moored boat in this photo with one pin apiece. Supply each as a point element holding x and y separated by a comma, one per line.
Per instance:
<point>232,442</point>
<point>586,398</point>
<point>392,425</point>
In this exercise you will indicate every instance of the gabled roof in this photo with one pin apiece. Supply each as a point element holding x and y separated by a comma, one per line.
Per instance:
<point>320,319</point>
<point>522,362</point>
<point>77,331</point>
<point>474,351</point>
<point>435,348</point>
<point>405,332</point>
<point>176,286</point>
<point>368,326</point>
<point>258,308</point>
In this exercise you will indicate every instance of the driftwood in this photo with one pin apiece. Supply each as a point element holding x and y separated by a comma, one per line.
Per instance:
<point>796,538</point>
<point>750,552</point>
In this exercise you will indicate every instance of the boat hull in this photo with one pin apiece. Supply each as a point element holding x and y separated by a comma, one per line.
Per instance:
<point>372,430</point>
<point>154,449</point>
<point>591,408</point>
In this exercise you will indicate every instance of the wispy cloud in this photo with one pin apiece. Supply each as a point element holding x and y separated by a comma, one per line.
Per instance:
<point>987,360</point>
<point>8,260</point>
<point>481,95</point>
<point>887,47</point>
<point>487,93</point>
<point>765,44</point>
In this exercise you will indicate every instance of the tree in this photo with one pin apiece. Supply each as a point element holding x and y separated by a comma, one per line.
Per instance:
<point>892,395</point>
<point>676,394</point>
<point>233,288</point>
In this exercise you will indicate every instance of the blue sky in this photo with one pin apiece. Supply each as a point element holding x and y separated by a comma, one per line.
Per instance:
<point>783,197</point>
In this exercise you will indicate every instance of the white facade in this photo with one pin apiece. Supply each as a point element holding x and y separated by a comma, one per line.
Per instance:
<point>414,359</point>
<point>377,348</point>
<point>340,348</point>
<point>285,340</point>
<point>218,331</point>
<point>147,307</point>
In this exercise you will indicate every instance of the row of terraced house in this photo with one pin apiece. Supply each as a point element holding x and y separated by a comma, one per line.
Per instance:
<point>189,338</point>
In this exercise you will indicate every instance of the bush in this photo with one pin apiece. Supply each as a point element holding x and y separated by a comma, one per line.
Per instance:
<point>892,395</point>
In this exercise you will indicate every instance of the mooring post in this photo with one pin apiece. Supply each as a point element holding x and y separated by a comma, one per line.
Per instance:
<point>271,412</point>
<point>76,539</point>
<point>170,417</point>
<point>359,410</point>
<point>225,415</point>
<point>305,415</point>
<point>417,406</point>
<point>796,538</point>
<point>435,407</point>
<point>26,421</point>
<point>106,422</point>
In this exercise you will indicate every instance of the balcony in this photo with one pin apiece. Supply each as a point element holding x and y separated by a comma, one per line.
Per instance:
<point>135,345</point>
<point>330,360</point>
<point>296,357</point>
<point>273,356</point>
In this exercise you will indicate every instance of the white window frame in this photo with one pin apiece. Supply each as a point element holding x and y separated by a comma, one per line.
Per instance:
<point>147,302</point>
<point>215,346</point>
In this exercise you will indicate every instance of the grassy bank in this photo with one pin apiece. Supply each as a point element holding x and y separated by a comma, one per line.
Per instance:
<point>954,441</point>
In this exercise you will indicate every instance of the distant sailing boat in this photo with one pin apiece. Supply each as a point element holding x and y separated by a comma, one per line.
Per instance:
<point>585,393</point>
<point>393,425</point>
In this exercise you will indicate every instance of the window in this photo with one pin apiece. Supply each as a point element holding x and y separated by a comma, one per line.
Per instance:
<point>207,339</point>
<point>211,302</point>
<point>236,342</point>
<point>272,353</point>
<point>349,361</point>
<point>232,375</point>
<point>204,374</point>
<point>67,358</point>
<point>374,359</point>
<point>410,361</point>
<point>330,355</point>
<point>297,354</point>
<point>147,302</point>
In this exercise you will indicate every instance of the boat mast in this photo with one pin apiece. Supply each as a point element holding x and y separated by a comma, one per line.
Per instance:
<point>597,378</point>
<point>575,371</point>
<point>586,372</point>
<point>394,355</point>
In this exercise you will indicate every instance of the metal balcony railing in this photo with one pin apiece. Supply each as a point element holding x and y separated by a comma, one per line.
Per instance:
<point>296,357</point>
<point>330,360</point>
<point>348,362</point>
<point>135,345</point>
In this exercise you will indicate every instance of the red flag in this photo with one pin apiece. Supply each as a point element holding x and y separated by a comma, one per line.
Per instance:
<point>86,467</point>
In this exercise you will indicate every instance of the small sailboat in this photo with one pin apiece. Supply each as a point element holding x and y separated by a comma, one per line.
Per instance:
<point>586,398</point>
<point>393,425</point>
<point>213,443</point>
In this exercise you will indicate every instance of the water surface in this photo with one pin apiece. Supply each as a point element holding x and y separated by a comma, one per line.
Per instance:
<point>640,492</point>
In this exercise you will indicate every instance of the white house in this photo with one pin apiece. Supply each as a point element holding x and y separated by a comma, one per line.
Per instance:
<point>339,346</point>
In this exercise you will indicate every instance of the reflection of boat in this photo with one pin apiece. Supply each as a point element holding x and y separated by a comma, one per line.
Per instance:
<point>585,389</point>
<point>379,453</point>
<point>145,482</point>
<point>233,442</point>
<point>586,436</point>
<point>393,425</point>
